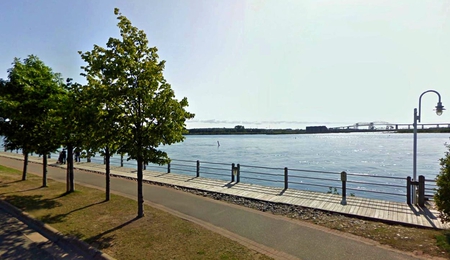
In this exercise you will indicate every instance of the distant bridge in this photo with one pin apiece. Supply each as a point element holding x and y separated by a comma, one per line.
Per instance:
<point>386,126</point>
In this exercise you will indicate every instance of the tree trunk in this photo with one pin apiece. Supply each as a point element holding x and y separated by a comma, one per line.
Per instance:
<point>67,178</point>
<point>25,165</point>
<point>70,167</point>
<point>140,193</point>
<point>44,171</point>
<point>108,177</point>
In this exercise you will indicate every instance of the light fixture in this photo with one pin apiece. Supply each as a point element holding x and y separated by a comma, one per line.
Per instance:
<point>439,109</point>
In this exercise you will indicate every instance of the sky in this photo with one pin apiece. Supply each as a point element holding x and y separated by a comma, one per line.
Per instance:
<point>260,63</point>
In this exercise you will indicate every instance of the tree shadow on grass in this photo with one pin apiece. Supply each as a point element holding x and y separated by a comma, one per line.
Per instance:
<point>52,219</point>
<point>7,184</point>
<point>101,241</point>
<point>37,188</point>
<point>64,194</point>
<point>11,182</point>
<point>76,234</point>
<point>33,202</point>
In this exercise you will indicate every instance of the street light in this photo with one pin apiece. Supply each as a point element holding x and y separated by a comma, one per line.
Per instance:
<point>439,109</point>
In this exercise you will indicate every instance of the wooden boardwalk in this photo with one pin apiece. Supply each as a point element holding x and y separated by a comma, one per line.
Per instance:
<point>388,211</point>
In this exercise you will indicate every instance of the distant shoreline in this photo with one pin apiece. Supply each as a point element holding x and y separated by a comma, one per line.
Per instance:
<point>253,131</point>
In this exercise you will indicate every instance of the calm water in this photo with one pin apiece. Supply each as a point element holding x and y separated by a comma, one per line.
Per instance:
<point>375,153</point>
<point>384,154</point>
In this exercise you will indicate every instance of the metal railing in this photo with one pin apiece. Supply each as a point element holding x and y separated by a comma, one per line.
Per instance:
<point>356,184</point>
<point>338,183</point>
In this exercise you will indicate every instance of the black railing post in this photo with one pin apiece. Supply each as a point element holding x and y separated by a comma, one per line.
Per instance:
<point>286,180</point>
<point>421,191</point>
<point>198,168</point>
<point>232,172</point>
<point>168,167</point>
<point>238,175</point>
<point>121,160</point>
<point>408,190</point>
<point>344,188</point>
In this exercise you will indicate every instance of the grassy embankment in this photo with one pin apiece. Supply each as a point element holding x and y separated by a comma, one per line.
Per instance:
<point>112,227</point>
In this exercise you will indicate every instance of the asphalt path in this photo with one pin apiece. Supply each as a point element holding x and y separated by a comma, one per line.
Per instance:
<point>277,236</point>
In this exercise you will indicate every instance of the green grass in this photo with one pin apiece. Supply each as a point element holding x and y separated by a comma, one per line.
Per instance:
<point>112,226</point>
<point>443,241</point>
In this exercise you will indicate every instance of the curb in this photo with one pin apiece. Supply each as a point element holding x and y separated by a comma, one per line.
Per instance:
<point>54,235</point>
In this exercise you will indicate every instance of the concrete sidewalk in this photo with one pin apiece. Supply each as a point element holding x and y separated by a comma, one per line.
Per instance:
<point>276,236</point>
<point>19,241</point>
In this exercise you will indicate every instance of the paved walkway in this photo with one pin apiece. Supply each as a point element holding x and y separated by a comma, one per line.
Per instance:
<point>18,241</point>
<point>275,236</point>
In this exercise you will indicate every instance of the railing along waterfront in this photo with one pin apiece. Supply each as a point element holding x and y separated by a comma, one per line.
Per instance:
<point>353,184</point>
<point>430,189</point>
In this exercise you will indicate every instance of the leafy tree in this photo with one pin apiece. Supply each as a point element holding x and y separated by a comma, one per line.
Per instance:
<point>76,116</point>
<point>442,196</point>
<point>30,99</point>
<point>105,135</point>
<point>143,105</point>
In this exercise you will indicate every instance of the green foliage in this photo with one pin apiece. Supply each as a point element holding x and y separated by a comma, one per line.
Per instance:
<point>136,108</point>
<point>134,98</point>
<point>442,196</point>
<point>443,241</point>
<point>30,98</point>
<point>333,191</point>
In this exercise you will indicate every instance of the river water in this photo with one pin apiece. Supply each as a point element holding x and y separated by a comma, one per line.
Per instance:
<point>380,154</point>
<point>374,154</point>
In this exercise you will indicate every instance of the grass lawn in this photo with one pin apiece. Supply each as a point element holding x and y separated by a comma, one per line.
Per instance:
<point>112,227</point>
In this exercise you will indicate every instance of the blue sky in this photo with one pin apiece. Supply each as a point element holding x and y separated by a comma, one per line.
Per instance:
<point>266,64</point>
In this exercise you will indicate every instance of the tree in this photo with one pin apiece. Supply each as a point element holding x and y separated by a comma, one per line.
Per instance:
<point>105,135</point>
<point>30,98</point>
<point>442,195</point>
<point>74,118</point>
<point>143,105</point>
<point>239,128</point>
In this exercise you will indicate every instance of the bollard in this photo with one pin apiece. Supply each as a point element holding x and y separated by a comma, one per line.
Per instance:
<point>198,168</point>
<point>232,172</point>
<point>344,188</point>
<point>408,190</point>
<point>286,180</point>
<point>238,175</point>
<point>421,191</point>
<point>121,160</point>
<point>168,167</point>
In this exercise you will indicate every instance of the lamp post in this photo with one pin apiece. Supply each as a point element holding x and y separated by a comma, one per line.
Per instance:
<point>439,109</point>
